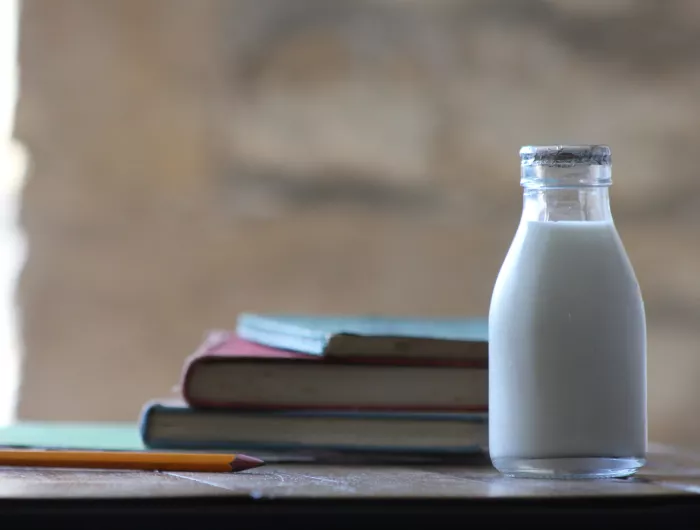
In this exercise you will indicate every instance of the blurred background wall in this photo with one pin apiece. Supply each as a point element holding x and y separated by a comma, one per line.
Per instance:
<point>190,160</point>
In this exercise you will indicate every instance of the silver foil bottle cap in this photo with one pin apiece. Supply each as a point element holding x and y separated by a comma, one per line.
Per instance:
<point>565,155</point>
<point>565,166</point>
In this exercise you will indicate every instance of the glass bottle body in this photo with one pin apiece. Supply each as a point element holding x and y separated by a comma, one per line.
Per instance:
<point>567,336</point>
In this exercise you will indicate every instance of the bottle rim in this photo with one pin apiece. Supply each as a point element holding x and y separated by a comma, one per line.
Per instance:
<point>565,155</point>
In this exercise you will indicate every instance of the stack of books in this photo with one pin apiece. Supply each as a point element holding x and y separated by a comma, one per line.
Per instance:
<point>280,382</point>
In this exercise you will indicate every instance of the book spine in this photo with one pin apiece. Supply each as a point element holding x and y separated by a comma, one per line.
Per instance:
<point>144,421</point>
<point>185,380</point>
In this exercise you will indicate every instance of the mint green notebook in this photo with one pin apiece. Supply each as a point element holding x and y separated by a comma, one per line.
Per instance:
<point>80,436</point>
<point>365,335</point>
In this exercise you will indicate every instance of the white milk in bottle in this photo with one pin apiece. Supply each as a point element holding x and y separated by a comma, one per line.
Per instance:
<point>567,331</point>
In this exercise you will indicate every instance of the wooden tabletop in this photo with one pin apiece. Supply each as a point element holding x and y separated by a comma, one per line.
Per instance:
<point>669,484</point>
<point>666,474</point>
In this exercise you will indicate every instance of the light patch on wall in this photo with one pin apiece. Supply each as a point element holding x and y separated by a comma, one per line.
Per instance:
<point>12,170</point>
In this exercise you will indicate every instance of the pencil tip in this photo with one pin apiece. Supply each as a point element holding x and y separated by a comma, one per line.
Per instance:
<point>242,462</point>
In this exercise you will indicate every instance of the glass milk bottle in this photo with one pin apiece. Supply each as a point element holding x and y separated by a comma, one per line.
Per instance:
<point>567,329</point>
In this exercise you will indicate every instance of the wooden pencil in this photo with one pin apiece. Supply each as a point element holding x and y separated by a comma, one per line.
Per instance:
<point>137,460</point>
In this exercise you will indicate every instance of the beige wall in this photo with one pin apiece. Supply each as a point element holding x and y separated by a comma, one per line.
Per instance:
<point>190,160</point>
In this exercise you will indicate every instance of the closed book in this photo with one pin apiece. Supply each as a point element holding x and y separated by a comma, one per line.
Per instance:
<point>230,372</point>
<point>172,425</point>
<point>369,335</point>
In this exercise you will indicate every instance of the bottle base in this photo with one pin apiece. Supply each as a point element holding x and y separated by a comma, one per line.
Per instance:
<point>568,468</point>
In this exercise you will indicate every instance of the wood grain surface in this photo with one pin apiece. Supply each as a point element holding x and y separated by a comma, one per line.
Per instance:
<point>668,472</point>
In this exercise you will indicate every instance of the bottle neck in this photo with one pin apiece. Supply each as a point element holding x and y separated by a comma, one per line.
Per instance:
<point>576,192</point>
<point>566,204</point>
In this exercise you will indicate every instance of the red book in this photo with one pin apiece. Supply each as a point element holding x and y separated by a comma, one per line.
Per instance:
<point>229,372</point>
